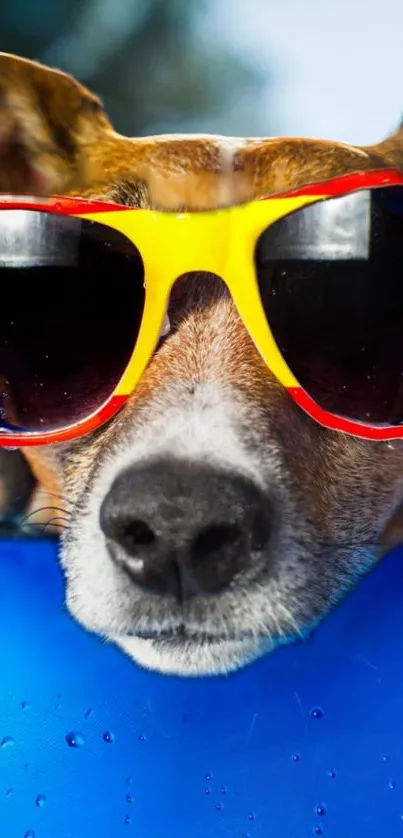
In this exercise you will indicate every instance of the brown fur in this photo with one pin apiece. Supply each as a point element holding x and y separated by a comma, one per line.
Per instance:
<point>55,138</point>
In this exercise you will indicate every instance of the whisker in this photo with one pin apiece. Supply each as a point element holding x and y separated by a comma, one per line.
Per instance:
<point>52,521</point>
<point>60,497</point>
<point>42,523</point>
<point>44,509</point>
<point>34,529</point>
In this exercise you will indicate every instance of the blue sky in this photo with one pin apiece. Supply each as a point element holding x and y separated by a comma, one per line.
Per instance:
<point>338,65</point>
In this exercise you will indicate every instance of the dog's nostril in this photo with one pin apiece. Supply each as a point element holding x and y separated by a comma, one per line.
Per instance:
<point>214,538</point>
<point>139,534</point>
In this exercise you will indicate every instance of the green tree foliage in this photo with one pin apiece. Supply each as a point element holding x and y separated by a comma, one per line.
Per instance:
<point>158,65</point>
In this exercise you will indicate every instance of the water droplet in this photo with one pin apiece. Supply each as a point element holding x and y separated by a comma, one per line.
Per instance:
<point>317,713</point>
<point>223,790</point>
<point>30,834</point>
<point>384,757</point>
<point>108,736</point>
<point>7,741</point>
<point>317,830</point>
<point>9,792</point>
<point>219,807</point>
<point>392,785</point>
<point>88,713</point>
<point>207,791</point>
<point>129,781</point>
<point>208,777</point>
<point>331,773</point>
<point>295,757</point>
<point>320,810</point>
<point>40,800</point>
<point>246,835</point>
<point>129,798</point>
<point>128,820</point>
<point>142,738</point>
<point>24,705</point>
<point>74,739</point>
<point>251,816</point>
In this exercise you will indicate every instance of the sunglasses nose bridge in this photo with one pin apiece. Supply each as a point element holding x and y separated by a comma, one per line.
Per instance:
<point>187,242</point>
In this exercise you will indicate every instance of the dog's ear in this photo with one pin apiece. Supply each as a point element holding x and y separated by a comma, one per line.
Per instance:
<point>49,128</point>
<point>390,150</point>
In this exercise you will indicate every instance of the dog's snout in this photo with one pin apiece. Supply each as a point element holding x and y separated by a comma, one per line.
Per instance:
<point>184,529</point>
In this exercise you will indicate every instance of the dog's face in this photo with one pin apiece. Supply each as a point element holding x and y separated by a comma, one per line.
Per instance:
<point>211,519</point>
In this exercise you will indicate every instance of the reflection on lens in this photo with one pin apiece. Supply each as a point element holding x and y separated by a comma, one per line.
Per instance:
<point>72,302</point>
<point>331,283</point>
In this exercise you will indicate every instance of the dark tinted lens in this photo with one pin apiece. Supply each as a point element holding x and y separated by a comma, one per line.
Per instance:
<point>72,299</point>
<point>331,282</point>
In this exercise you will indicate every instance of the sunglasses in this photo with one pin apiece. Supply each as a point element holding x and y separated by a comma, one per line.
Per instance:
<point>316,275</point>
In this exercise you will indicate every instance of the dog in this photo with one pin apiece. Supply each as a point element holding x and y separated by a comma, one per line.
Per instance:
<point>208,426</point>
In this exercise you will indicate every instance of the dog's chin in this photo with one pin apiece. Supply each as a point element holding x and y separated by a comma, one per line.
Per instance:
<point>193,658</point>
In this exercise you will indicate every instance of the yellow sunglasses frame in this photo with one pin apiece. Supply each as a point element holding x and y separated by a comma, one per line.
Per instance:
<point>220,242</point>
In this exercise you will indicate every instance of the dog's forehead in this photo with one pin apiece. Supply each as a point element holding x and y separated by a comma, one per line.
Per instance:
<point>172,172</point>
<point>201,172</point>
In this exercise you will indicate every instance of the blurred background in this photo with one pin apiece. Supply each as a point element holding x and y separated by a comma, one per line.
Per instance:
<point>297,67</point>
<point>247,67</point>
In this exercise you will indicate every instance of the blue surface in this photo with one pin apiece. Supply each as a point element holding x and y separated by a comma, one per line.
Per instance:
<point>308,741</point>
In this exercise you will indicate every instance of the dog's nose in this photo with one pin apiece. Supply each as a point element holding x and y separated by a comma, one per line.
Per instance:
<point>184,529</point>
